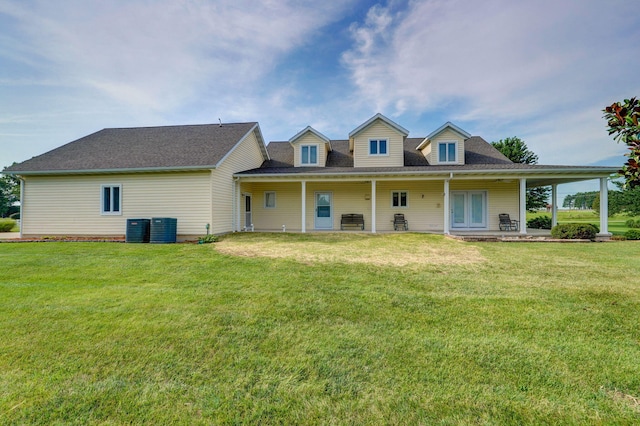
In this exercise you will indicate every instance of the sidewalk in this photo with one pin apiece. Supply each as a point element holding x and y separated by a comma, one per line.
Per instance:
<point>9,235</point>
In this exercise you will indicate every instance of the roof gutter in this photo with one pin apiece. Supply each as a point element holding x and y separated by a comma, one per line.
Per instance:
<point>108,171</point>
<point>581,170</point>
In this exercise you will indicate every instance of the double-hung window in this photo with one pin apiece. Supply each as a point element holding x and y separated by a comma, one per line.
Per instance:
<point>111,199</point>
<point>270,200</point>
<point>447,152</point>
<point>377,147</point>
<point>309,155</point>
<point>399,198</point>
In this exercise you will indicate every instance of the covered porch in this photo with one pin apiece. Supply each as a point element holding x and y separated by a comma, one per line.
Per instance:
<point>450,204</point>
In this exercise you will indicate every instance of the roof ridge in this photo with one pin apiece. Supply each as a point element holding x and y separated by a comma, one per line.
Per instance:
<point>180,125</point>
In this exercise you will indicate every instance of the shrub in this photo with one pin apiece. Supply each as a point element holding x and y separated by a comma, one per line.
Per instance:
<point>574,231</point>
<point>207,239</point>
<point>632,234</point>
<point>7,225</point>
<point>540,222</point>
<point>632,223</point>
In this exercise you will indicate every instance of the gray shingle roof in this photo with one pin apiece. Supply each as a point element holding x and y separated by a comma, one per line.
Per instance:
<point>166,147</point>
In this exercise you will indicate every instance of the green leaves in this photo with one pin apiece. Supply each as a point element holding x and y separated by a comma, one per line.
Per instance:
<point>622,119</point>
<point>516,150</point>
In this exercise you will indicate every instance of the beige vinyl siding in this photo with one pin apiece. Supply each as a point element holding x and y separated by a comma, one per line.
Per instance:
<point>310,139</point>
<point>348,197</point>
<point>378,130</point>
<point>447,135</point>
<point>288,207</point>
<point>426,151</point>
<point>502,197</point>
<point>247,155</point>
<point>71,205</point>
<point>424,211</point>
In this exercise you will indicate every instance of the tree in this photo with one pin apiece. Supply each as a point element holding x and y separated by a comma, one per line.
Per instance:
<point>625,199</point>
<point>622,119</point>
<point>517,151</point>
<point>9,193</point>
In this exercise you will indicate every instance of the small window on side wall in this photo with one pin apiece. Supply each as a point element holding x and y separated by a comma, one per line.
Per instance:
<point>270,200</point>
<point>111,199</point>
<point>399,198</point>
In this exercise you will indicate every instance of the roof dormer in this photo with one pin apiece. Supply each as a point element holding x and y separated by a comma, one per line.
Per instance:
<point>445,145</point>
<point>378,142</point>
<point>310,148</point>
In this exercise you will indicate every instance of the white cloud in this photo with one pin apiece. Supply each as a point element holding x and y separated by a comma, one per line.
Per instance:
<point>70,67</point>
<point>497,63</point>
<point>158,55</point>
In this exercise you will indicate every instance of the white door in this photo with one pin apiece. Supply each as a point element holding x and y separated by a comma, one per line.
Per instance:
<point>248,220</point>
<point>324,213</point>
<point>469,209</point>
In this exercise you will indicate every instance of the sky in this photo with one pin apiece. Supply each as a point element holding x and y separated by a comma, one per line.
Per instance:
<point>541,70</point>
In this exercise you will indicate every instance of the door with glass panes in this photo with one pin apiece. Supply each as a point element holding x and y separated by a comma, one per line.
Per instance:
<point>468,209</point>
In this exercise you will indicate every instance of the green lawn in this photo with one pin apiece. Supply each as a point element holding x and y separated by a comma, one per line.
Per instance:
<point>616,223</point>
<point>313,329</point>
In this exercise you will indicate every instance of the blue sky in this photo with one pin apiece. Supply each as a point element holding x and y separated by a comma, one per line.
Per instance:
<point>541,70</point>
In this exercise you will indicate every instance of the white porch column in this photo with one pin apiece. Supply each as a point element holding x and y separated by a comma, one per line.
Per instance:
<point>304,206</point>
<point>523,206</point>
<point>604,208</point>
<point>447,213</point>
<point>554,205</point>
<point>373,206</point>
<point>238,198</point>
<point>21,205</point>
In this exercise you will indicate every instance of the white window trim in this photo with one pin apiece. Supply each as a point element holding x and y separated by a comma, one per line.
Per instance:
<point>317,155</point>
<point>399,192</point>
<point>378,142</point>
<point>455,143</point>
<point>102,206</point>
<point>274,199</point>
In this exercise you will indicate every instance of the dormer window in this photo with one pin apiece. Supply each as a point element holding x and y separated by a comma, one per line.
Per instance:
<point>447,152</point>
<point>377,147</point>
<point>309,155</point>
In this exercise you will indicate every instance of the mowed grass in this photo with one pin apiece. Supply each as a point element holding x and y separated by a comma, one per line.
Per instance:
<point>616,224</point>
<point>312,329</point>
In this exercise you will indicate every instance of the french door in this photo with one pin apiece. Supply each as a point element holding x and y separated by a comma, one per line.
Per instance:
<point>468,209</point>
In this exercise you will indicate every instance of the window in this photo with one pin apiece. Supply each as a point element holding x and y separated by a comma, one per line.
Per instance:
<point>309,154</point>
<point>399,198</point>
<point>447,152</point>
<point>377,147</point>
<point>111,199</point>
<point>270,200</point>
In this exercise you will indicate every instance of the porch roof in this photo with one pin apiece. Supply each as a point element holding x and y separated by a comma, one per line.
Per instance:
<point>536,175</point>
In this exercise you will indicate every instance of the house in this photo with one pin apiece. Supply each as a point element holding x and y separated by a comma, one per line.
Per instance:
<point>224,178</point>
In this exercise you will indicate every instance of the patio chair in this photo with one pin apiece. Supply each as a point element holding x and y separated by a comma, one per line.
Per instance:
<point>507,224</point>
<point>400,223</point>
